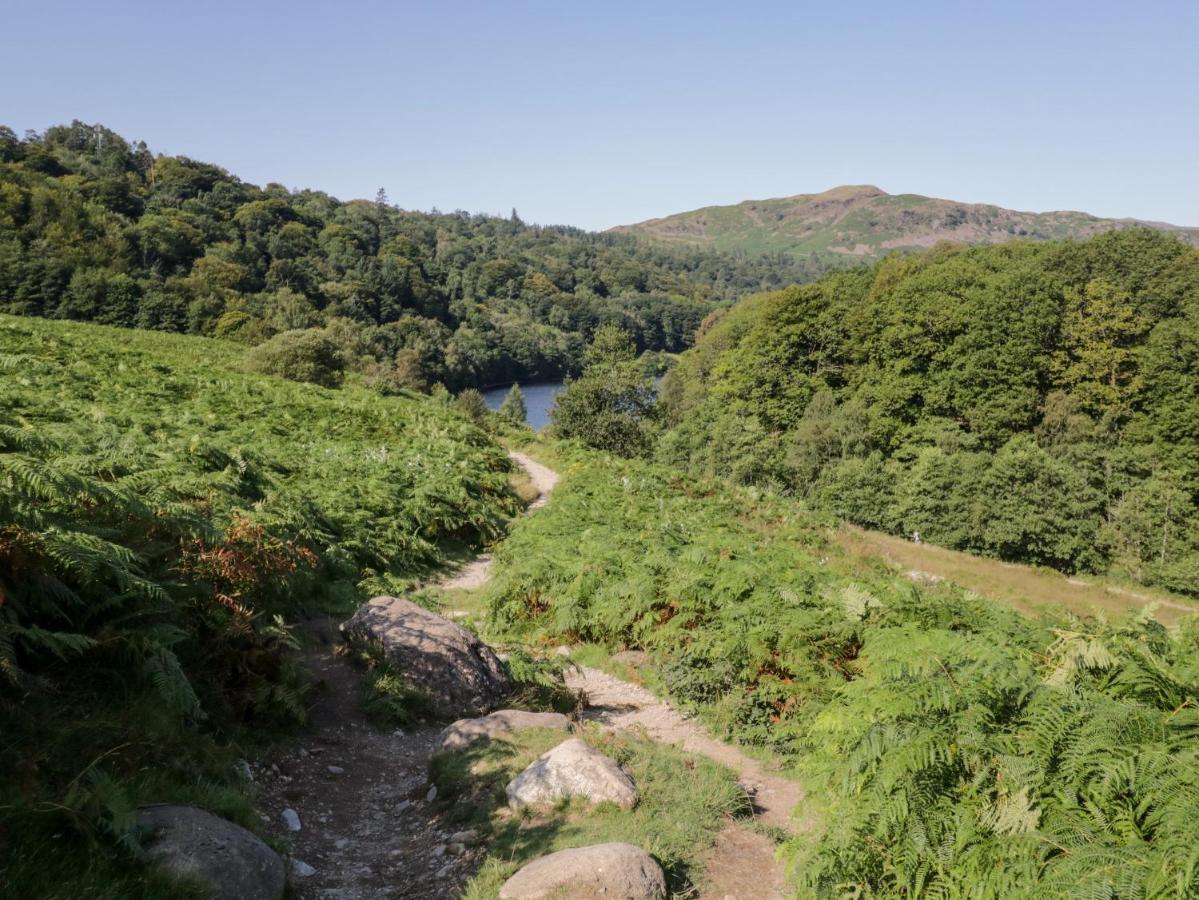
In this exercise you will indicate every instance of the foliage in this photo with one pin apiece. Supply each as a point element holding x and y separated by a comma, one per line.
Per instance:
<point>95,228</point>
<point>164,517</point>
<point>611,406</point>
<point>1029,401</point>
<point>513,408</point>
<point>305,355</point>
<point>949,746</point>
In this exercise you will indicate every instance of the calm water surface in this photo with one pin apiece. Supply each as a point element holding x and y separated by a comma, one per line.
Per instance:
<point>539,400</point>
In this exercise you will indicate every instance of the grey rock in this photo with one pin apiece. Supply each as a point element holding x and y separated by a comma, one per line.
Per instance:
<point>234,864</point>
<point>291,818</point>
<point>572,769</point>
<point>468,837</point>
<point>465,732</point>
<point>335,770</point>
<point>432,794</point>
<point>301,869</point>
<point>434,654</point>
<point>457,849</point>
<point>607,871</point>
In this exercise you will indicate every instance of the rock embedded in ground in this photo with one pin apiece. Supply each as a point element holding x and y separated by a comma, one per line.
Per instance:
<point>301,869</point>
<point>607,871</point>
<point>432,653</point>
<point>232,863</point>
<point>572,769</point>
<point>503,722</point>
<point>292,819</point>
<point>633,658</point>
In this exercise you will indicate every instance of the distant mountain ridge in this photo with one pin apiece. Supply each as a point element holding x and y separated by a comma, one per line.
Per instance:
<point>858,223</point>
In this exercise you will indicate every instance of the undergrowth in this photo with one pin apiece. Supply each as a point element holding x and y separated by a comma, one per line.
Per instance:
<point>164,518</point>
<point>949,747</point>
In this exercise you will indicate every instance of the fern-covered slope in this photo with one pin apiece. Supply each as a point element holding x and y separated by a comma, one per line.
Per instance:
<point>949,746</point>
<point>165,517</point>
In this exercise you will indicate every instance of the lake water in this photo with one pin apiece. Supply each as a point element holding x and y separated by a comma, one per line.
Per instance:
<point>539,400</point>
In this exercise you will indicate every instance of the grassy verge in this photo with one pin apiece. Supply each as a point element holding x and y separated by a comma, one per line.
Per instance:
<point>1028,589</point>
<point>684,802</point>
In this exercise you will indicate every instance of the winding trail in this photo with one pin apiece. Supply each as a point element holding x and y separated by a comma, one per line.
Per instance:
<point>367,825</point>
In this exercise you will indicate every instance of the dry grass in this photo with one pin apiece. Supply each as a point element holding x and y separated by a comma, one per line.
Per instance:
<point>1027,589</point>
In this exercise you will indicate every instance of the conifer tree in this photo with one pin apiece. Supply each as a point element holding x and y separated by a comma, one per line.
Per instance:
<point>513,408</point>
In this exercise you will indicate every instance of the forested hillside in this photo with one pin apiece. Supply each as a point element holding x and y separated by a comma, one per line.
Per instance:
<point>852,224</point>
<point>165,519</point>
<point>1035,402</point>
<point>95,228</point>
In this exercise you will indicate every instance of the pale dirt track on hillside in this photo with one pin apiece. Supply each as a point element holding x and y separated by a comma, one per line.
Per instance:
<point>368,829</point>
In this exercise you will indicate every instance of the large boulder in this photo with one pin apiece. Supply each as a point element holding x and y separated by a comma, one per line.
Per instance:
<point>432,653</point>
<point>233,863</point>
<point>464,732</point>
<point>607,871</point>
<point>572,769</point>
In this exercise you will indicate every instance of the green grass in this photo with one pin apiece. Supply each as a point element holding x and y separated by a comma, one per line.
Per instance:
<point>684,801</point>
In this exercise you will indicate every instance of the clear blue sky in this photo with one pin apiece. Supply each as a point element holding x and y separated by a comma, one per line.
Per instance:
<point>603,113</point>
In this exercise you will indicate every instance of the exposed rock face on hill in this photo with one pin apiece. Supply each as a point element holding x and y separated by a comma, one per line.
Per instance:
<point>432,653</point>
<point>600,871</point>
<point>858,223</point>
<point>232,863</point>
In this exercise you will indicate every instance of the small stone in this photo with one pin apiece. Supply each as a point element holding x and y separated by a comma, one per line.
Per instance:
<point>301,869</point>
<point>303,752</point>
<point>468,837</point>
<point>403,805</point>
<point>562,650</point>
<point>341,843</point>
<point>292,819</point>
<point>244,770</point>
<point>439,850</point>
<point>432,794</point>
<point>335,770</point>
<point>445,870</point>
<point>457,849</point>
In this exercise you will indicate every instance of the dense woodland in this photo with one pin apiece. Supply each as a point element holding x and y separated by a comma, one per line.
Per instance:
<point>1035,402</point>
<point>95,228</point>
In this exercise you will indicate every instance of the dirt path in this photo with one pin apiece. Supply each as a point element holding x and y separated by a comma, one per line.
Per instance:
<point>367,825</point>
<point>368,828</point>
<point>475,573</point>
<point>742,865</point>
<point>621,705</point>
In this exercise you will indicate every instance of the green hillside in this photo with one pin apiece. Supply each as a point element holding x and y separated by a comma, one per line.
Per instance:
<point>96,228</point>
<point>1032,401</point>
<point>166,517</point>
<point>860,223</point>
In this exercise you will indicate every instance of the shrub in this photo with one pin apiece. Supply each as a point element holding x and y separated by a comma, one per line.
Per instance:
<point>305,355</point>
